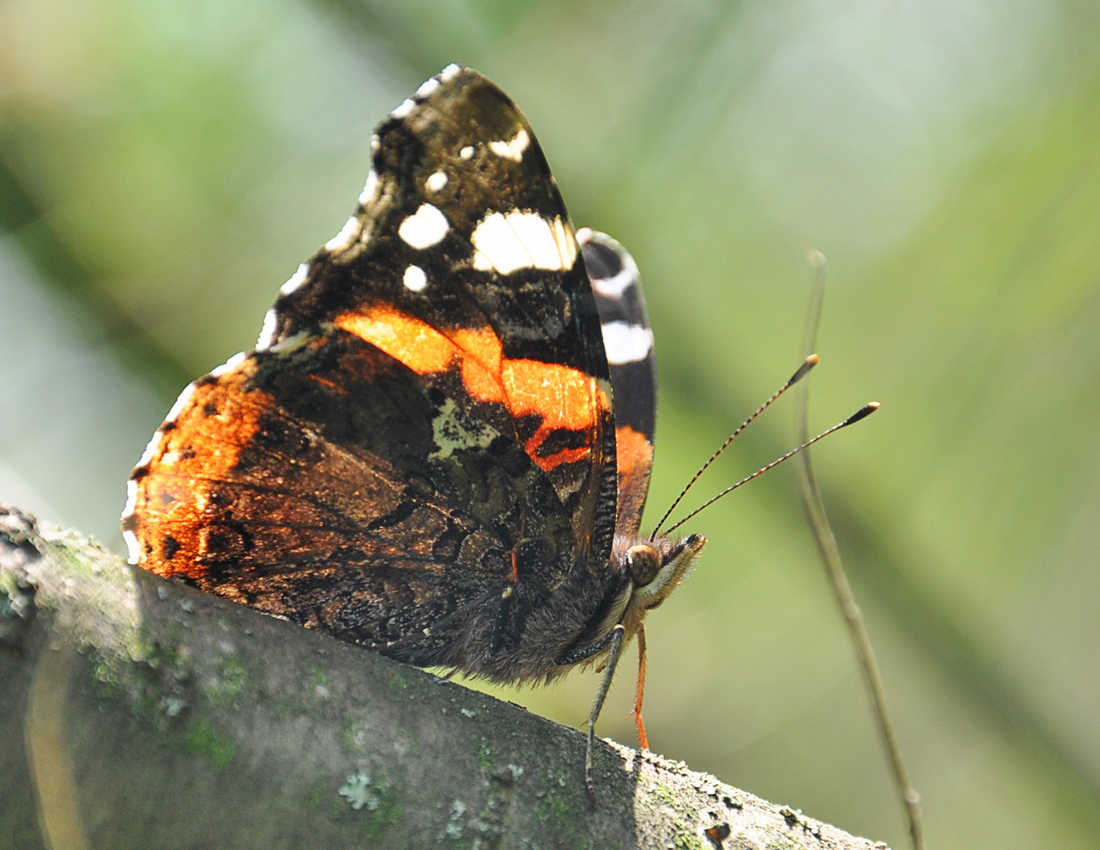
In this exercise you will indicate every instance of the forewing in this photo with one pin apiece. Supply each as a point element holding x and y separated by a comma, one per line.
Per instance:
<point>628,342</point>
<point>462,264</point>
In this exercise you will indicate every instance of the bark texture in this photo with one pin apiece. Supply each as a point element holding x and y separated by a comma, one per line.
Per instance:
<point>136,713</point>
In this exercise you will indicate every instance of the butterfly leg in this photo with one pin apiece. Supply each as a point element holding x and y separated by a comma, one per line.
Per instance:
<point>616,646</point>
<point>641,690</point>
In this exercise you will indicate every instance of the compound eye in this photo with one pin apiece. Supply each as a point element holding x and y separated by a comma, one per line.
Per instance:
<point>644,563</point>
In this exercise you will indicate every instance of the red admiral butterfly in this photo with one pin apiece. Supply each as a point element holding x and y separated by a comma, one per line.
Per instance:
<point>441,445</point>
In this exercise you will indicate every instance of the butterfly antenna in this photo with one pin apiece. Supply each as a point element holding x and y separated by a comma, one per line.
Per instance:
<point>799,374</point>
<point>862,413</point>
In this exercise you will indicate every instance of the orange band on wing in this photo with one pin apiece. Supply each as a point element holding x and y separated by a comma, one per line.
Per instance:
<point>633,452</point>
<point>634,459</point>
<point>194,453</point>
<point>562,396</point>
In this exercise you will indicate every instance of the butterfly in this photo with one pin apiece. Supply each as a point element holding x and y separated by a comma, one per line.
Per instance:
<point>441,444</point>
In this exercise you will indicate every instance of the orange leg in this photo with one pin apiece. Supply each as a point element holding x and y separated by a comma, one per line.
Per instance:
<point>641,689</point>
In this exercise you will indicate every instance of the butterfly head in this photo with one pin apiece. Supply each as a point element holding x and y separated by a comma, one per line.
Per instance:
<point>656,567</point>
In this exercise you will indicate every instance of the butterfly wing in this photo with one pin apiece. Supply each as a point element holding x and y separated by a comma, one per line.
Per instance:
<point>462,251</point>
<point>628,341</point>
<point>418,455</point>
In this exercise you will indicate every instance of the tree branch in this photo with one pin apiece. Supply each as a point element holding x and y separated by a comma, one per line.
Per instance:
<point>139,713</point>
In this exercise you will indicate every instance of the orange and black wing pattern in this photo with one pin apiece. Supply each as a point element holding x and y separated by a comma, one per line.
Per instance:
<point>628,343</point>
<point>420,453</point>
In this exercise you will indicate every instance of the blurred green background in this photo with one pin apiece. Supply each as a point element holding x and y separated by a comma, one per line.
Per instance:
<point>165,166</point>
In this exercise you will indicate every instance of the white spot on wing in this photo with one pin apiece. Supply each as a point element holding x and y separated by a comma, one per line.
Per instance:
<point>133,548</point>
<point>415,279</point>
<point>436,181</point>
<point>131,498</point>
<point>152,446</point>
<point>613,287</point>
<point>467,152</point>
<point>177,408</point>
<point>296,280</point>
<point>506,242</point>
<point>267,332</point>
<point>626,343</point>
<point>370,189</point>
<point>450,72</point>
<point>513,148</point>
<point>348,234</point>
<point>424,228</point>
<point>403,111</point>
<point>427,87</point>
<point>566,243</point>
<point>229,365</point>
<point>291,343</point>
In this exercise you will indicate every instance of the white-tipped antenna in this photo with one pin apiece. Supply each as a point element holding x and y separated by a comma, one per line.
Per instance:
<point>862,413</point>
<point>799,374</point>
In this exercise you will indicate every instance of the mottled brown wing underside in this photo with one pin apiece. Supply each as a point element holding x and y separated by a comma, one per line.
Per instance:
<point>311,484</point>
<point>419,456</point>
